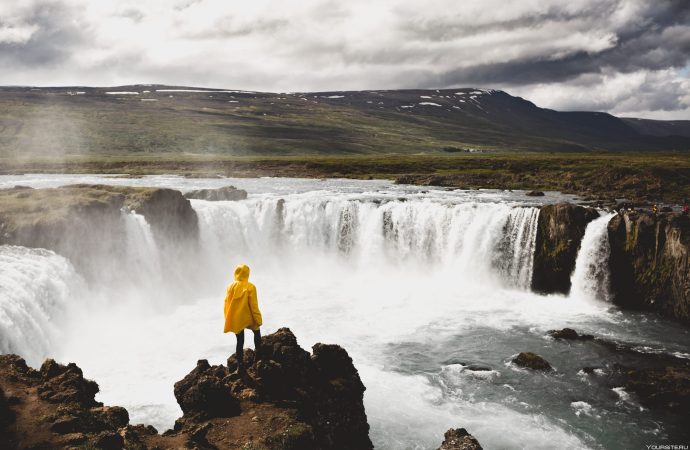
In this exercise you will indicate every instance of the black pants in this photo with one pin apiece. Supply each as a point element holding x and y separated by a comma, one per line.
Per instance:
<point>240,344</point>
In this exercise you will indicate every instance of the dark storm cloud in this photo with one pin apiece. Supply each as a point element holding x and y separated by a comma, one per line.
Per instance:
<point>659,40</point>
<point>57,33</point>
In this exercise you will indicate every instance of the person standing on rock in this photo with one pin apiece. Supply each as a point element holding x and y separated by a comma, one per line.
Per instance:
<point>242,311</point>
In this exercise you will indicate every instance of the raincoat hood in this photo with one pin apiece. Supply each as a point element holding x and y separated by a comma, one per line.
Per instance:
<point>242,272</point>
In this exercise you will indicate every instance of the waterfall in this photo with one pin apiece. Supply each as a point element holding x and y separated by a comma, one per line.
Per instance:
<point>142,255</point>
<point>590,279</point>
<point>519,240</point>
<point>465,238</point>
<point>37,287</point>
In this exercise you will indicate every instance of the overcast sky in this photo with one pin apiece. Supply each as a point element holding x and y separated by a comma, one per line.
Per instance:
<point>629,57</point>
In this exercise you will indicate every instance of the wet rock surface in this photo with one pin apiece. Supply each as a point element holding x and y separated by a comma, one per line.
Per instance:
<point>286,399</point>
<point>659,381</point>
<point>226,193</point>
<point>649,266</point>
<point>532,361</point>
<point>559,233</point>
<point>459,439</point>
<point>569,334</point>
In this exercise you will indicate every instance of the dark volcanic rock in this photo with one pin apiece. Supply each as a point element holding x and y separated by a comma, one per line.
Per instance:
<point>560,230</point>
<point>532,361</point>
<point>64,406</point>
<point>649,266</point>
<point>569,334</point>
<point>287,399</point>
<point>660,381</point>
<point>221,194</point>
<point>66,384</point>
<point>665,388</point>
<point>459,439</point>
<point>324,387</point>
<point>534,194</point>
<point>202,392</point>
<point>6,414</point>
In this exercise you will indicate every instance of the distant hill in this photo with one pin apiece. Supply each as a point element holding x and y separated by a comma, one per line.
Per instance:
<point>157,119</point>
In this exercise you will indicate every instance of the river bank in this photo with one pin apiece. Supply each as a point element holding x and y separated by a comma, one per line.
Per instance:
<point>642,178</point>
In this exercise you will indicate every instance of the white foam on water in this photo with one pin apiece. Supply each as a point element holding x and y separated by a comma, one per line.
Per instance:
<point>37,290</point>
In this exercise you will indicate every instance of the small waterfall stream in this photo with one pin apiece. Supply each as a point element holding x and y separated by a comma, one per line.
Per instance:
<point>142,254</point>
<point>590,278</point>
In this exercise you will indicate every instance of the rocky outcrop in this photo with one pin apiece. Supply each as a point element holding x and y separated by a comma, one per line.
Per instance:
<point>649,267</point>
<point>54,407</point>
<point>168,212</point>
<point>459,439</point>
<point>225,193</point>
<point>532,361</point>
<point>665,387</point>
<point>658,381</point>
<point>559,233</point>
<point>323,389</point>
<point>287,399</point>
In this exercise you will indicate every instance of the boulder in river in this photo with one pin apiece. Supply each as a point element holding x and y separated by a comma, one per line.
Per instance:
<point>559,233</point>
<point>220,194</point>
<point>532,361</point>
<point>569,334</point>
<point>535,194</point>
<point>459,439</point>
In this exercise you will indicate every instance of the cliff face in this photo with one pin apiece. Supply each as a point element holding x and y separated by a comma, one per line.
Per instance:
<point>560,230</point>
<point>648,264</point>
<point>288,399</point>
<point>85,224</point>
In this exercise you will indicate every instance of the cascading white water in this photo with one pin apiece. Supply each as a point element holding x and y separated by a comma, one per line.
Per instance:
<point>414,283</point>
<point>37,287</point>
<point>590,278</point>
<point>142,255</point>
<point>519,237</point>
<point>474,240</point>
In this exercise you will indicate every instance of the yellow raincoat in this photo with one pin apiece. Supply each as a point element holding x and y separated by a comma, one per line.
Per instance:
<point>241,304</point>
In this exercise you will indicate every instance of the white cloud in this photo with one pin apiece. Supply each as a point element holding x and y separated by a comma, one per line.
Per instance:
<point>16,34</point>
<point>651,94</point>
<point>538,47</point>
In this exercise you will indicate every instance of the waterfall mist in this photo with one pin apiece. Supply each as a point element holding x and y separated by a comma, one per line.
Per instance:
<point>415,284</point>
